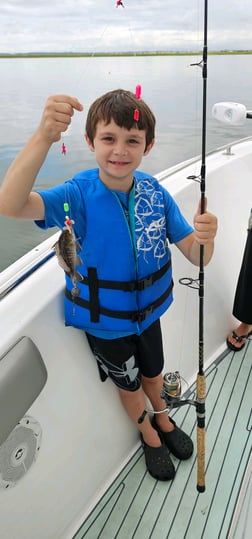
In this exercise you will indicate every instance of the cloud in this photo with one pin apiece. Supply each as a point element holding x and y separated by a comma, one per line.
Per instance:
<point>97,25</point>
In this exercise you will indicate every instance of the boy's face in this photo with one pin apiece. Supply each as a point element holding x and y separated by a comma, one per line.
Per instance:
<point>118,153</point>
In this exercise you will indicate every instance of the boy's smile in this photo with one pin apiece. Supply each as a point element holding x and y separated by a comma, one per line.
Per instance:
<point>119,152</point>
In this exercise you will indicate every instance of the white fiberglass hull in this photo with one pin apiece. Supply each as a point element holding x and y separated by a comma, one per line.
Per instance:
<point>86,435</point>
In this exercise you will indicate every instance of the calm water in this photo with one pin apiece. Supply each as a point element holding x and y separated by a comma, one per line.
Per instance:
<point>171,87</point>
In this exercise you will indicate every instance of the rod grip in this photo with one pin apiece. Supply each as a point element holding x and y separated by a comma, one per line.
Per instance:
<point>201,431</point>
<point>201,459</point>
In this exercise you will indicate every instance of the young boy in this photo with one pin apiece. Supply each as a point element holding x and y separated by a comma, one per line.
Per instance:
<point>123,220</point>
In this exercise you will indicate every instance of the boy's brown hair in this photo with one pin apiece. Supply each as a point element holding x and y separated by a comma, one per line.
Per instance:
<point>119,105</point>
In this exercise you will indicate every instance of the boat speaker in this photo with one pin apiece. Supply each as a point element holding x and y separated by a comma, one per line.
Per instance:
<point>19,451</point>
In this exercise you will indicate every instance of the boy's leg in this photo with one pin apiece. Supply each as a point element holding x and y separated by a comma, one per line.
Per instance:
<point>151,361</point>
<point>135,364</point>
<point>134,403</point>
<point>157,458</point>
<point>152,388</point>
<point>177,441</point>
<point>118,360</point>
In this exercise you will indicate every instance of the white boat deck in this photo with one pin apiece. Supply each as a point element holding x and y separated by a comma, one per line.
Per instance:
<point>140,507</point>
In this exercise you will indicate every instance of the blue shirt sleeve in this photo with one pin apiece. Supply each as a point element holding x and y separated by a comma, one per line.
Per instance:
<point>55,214</point>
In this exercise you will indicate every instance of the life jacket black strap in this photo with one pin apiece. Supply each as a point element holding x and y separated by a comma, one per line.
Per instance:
<point>134,316</point>
<point>129,286</point>
<point>93,294</point>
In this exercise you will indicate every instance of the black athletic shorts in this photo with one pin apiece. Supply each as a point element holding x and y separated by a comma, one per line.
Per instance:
<point>125,359</point>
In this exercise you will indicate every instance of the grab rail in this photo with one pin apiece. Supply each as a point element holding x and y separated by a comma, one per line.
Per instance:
<point>20,270</point>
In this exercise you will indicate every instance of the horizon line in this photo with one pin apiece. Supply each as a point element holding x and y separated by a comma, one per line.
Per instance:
<point>122,53</point>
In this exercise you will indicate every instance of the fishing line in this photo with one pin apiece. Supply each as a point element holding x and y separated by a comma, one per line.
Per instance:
<point>68,221</point>
<point>89,55</point>
<point>64,144</point>
<point>196,135</point>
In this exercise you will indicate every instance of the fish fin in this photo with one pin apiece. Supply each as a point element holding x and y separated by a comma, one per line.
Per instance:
<point>63,264</point>
<point>78,261</point>
<point>78,277</point>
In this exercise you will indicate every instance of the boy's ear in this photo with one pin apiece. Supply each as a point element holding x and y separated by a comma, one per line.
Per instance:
<point>149,147</point>
<point>89,143</point>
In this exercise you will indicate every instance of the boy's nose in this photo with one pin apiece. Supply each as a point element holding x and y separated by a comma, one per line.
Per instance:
<point>120,149</point>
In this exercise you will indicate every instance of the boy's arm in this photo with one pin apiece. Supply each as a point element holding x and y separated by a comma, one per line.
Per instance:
<point>16,199</point>
<point>205,228</point>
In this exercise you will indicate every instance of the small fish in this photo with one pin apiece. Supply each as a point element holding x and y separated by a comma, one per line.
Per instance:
<point>66,251</point>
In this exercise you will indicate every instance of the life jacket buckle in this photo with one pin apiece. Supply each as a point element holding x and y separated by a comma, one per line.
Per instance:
<point>142,315</point>
<point>144,283</point>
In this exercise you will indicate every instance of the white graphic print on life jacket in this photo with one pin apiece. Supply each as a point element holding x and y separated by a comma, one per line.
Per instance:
<point>150,220</point>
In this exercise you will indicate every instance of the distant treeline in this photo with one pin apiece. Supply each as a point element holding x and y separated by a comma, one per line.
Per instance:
<point>130,53</point>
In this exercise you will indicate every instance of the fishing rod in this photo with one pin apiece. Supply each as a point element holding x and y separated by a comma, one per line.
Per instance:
<point>199,402</point>
<point>201,379</point>
<point>171,388</point>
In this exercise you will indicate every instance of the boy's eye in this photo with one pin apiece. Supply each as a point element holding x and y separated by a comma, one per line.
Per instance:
<point>110,139</point>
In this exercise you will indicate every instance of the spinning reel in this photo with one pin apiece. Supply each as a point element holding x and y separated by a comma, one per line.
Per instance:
<point>171,393</point>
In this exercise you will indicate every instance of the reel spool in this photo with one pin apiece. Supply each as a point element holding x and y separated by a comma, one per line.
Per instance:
<point>172,384</point>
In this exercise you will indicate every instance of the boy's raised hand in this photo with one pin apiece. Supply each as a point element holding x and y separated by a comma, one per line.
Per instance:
<point>57,116</point>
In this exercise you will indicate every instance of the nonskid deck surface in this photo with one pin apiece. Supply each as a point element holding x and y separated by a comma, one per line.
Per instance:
<point>140,507</point>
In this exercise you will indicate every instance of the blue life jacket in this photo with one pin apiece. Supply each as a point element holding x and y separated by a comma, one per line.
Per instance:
<point>126,272</point>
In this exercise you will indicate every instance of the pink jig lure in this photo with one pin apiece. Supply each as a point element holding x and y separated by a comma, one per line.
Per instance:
<point>138,92</point>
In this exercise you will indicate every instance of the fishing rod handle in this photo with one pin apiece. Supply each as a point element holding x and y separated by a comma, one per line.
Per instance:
<point>201,431</point>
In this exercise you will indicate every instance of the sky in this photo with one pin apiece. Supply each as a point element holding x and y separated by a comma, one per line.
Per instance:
<point>147,25</point>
